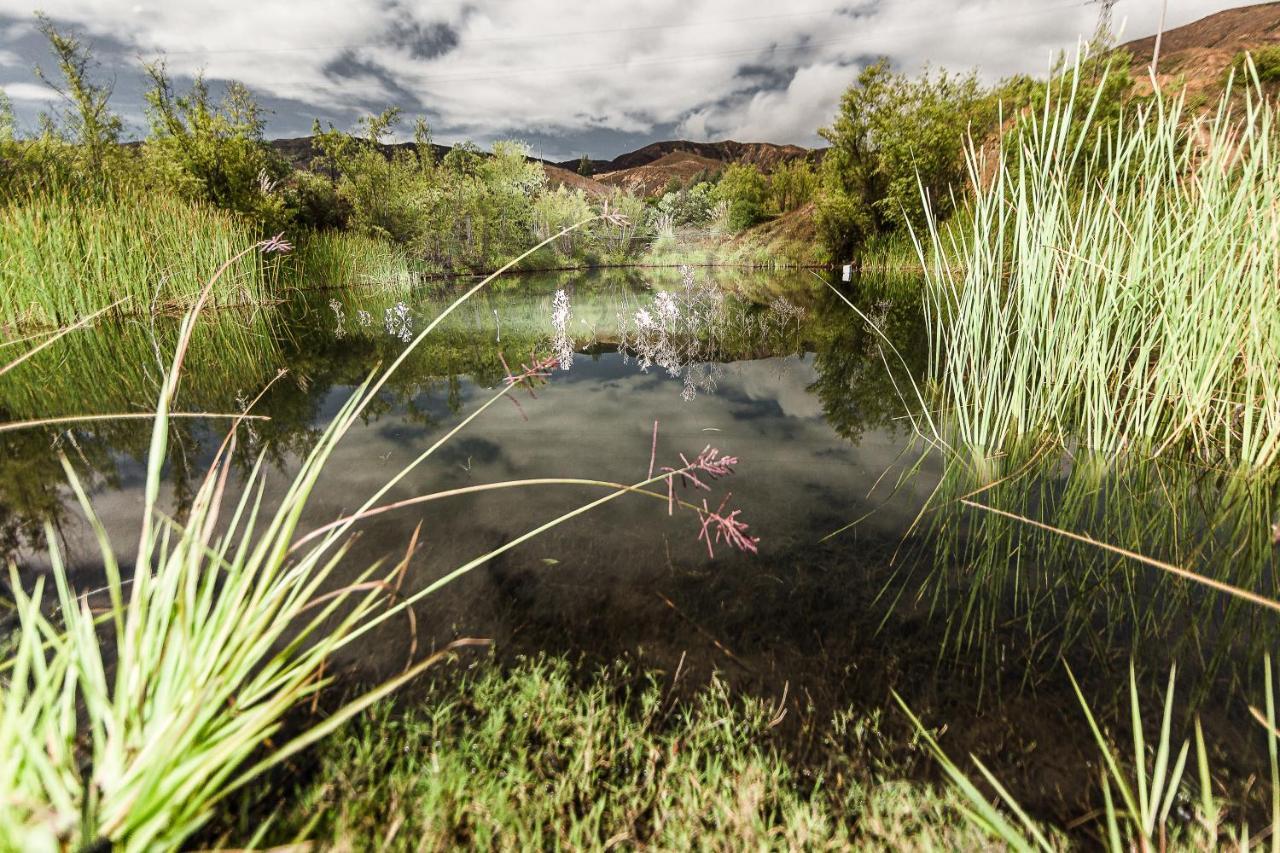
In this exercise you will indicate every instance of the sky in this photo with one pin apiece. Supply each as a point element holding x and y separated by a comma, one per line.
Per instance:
<point>596,78</point>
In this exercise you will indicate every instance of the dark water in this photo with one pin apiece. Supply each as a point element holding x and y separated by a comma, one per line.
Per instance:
<point>968,614</point>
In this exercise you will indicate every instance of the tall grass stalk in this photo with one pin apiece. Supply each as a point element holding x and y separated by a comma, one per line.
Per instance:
<point>1140,813</point>
<point>1117,287</point>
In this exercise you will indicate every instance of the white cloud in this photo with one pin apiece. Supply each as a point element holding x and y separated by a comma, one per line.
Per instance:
<point>29,92</point>
<point>531,66</point>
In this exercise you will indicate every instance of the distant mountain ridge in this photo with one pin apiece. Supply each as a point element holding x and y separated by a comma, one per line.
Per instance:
<point>764,155</point>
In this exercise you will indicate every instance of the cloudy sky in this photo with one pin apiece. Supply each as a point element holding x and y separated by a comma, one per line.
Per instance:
<point>569,78</point>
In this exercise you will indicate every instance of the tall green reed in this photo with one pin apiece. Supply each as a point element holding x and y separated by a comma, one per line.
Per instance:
<point>1116,288</point>
<point>67,256</point>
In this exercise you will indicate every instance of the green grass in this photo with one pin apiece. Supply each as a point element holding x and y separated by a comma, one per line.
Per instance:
<point>545,756</point>
<point>64,257</point>
<point>1117,289</point>
<point>337,258</point>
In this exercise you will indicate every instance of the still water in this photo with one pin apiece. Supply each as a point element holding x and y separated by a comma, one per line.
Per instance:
<point>962,610</point>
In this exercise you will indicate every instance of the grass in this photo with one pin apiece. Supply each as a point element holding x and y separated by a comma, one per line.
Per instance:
<point>1138,811</point>
<point>1117,289</point>
<point>65,257</point>
<point>546,756</point>
<point>337,258</point>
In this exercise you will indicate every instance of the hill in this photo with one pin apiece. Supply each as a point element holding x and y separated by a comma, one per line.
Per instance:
<point>765,155</point>
<point>650,178</point>
<point>1201,51</point>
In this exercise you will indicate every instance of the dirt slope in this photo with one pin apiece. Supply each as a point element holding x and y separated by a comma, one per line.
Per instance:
<point>1201,51</point>
<point>558,177</point>
<point>651,178</point>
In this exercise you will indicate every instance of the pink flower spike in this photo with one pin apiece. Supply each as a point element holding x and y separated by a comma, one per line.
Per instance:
<point>276,244</point>
<point>727,527</point>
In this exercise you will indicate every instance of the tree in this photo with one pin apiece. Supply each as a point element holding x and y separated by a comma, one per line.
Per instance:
<point>214,152</point>
<point>791,185</point>
<point>87,120</point>
<point>744,189</point>
<point>896,143</point>
<point>6,119</point>
<point>584,166</point>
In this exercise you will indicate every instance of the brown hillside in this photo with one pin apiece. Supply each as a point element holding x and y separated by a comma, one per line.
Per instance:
<point>651,178</point>
<point>765,155</point>
<point>558,177</point>
<point>1201,51</point>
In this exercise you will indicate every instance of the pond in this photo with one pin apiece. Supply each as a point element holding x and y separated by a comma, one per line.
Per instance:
<point>968,614</point>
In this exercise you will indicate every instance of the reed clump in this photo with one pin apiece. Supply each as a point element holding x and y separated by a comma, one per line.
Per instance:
<point>1116,285</point>
<point>68,255</point>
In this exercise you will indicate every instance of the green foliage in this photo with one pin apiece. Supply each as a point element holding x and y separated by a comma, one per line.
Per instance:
<point>66,256</point>
<point>791,185</point>
<point>689,206</point>
<point>546,757</point>
<point>86,121</point>
<point>555,211</point>
<point>745,190</point>
<point>1266,63</point>
<point>213,152</point>
<point>331,258</point>
<point>893,140</point>
<point>584,166</point>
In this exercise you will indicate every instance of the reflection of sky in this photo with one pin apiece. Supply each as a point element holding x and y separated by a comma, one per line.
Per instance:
<point>797,480</point>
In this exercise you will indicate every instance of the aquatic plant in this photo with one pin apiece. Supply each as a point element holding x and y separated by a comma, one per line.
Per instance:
<point>68,255</point>
<point>1144,817</point>
<point>1116,287</point>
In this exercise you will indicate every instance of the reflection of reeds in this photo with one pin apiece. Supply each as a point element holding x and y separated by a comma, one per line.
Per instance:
<point>1118,288</point>
<point>994,573</point>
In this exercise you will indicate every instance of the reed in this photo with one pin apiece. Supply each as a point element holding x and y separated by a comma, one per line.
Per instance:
<point>336,258</point>
<point>67,256</point>
<point>1116,287</point>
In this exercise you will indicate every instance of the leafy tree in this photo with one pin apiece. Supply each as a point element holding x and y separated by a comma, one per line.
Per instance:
<point>744,189</point>
<point>214,152</point>
<point>894,142</point>
<point>691,206</point>
<point>6,120</point>
<point>584,166</point>
<point>791,185</point>
<point>87,120</point>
